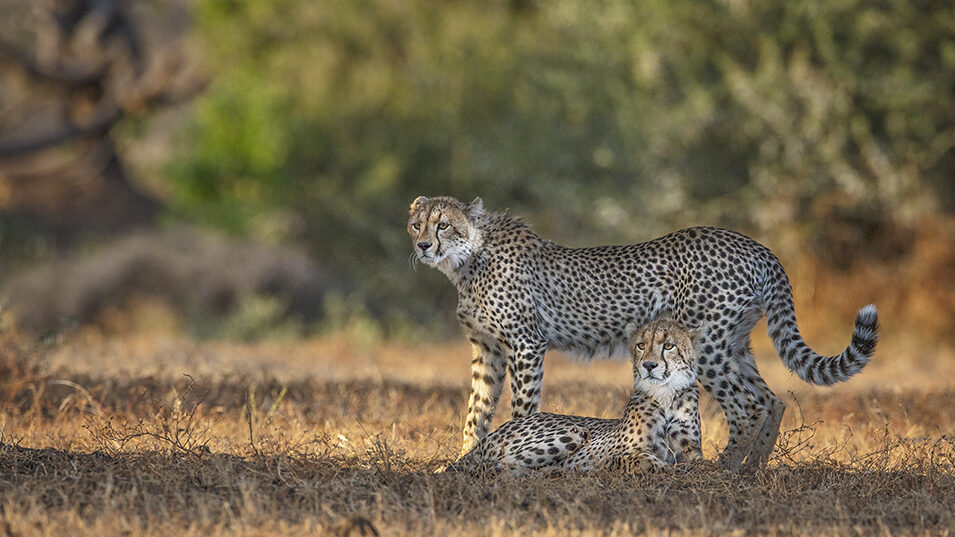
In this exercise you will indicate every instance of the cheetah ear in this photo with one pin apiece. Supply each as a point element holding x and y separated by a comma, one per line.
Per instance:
<point>629,330</point>
<point>476,208</point>
<point>418,201</point>
<point>697,333</point>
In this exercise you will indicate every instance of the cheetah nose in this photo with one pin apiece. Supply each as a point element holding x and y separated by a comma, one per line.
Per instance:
<point>649,366</point>
<point>424,245</point>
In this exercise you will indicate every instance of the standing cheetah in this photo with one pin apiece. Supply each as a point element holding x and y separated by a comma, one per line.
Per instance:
<point>520,295</point>
<point>661,423</point>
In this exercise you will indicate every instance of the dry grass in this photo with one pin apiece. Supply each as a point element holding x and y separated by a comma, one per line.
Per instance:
<point>107,436</point>
<point>133,429</point>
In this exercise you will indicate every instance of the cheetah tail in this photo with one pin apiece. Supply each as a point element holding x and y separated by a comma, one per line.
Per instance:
<point>799,358</point>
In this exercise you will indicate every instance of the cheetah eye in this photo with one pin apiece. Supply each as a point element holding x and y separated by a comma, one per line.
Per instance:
<point>416,226</point>
<point>668,346</point>
<point>443,225</point>
<point>640,346</point>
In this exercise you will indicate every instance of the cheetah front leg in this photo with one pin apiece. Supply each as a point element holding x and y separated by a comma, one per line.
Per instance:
<point>641,462</point>
<point>526,368</point>
<point>683,432</point>
<point>487,382</point>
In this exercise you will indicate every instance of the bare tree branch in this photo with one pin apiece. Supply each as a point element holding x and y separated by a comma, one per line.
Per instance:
<point>13,59</point>
<point>20,146</point>
<point>90,68</point>
<point>101,70</point>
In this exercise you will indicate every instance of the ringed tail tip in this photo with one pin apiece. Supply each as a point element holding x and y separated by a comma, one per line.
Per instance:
<point>866,333</point>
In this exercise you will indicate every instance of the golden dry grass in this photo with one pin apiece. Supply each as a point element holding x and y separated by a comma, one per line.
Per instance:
<point>151,433</point>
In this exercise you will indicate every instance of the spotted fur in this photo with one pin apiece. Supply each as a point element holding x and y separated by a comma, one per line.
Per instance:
<point>660,425</point>
<point>520,295</point>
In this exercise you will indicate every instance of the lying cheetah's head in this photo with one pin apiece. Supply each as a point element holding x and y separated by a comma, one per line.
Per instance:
<point>444,232</point>
<point>664,355</point>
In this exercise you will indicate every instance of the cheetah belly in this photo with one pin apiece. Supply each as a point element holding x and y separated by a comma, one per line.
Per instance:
<point>595,335</point>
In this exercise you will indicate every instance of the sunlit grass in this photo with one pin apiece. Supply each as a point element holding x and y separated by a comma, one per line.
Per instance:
<point>151,433</point>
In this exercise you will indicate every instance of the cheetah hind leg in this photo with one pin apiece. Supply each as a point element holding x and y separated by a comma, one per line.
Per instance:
<point>736,404</point>
<point>766,438</point>
<point>766,409</point>
<point>744,427</point>
<point>474,461</point>
<point>747,406</point>
<point>465,464</point>
<point>548,448</point>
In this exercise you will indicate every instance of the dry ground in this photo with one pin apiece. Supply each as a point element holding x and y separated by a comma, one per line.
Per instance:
<point>152,434</point>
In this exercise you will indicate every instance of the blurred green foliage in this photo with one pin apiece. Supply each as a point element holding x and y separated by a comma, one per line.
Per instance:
<point>256,317</point>
<point>603,121</point>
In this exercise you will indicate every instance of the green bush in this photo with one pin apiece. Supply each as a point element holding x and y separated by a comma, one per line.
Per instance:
<point>607,121</point>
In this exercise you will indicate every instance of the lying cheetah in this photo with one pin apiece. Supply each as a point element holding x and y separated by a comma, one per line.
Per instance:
<point>519,295</point>
<point>661,423</point>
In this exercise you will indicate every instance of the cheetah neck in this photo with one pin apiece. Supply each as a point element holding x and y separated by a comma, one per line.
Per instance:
<point>661,394</point>
<point>458,264</point>
<point>495,238</point>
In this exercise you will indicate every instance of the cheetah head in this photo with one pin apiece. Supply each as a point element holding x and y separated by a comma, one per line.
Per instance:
<point>444,231</point>
<point>663,354</point>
